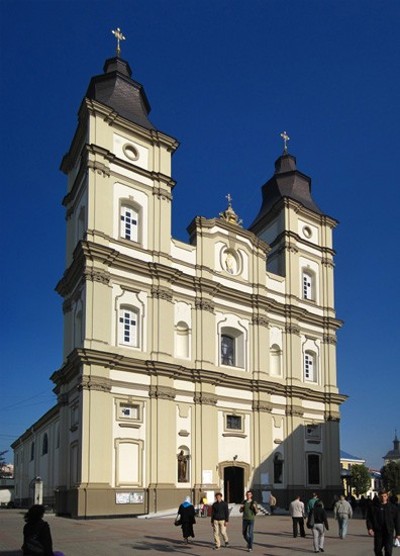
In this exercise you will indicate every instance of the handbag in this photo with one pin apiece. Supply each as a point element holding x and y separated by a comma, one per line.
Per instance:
<point>34,546</point>
<point>177,521</point>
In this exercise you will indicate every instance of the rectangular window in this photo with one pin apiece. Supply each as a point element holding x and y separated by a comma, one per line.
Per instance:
<point>129,223</point>
<point>313,469</point>
<point>307,288</point>
<point>309,367</point>
<point>234,422</point>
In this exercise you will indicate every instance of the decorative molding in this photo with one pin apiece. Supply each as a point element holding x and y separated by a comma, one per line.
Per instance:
<point>204,305</point>
<point>98,383</point>
<point>162,194</point>
<point>161,293</point>
<point>206,399</point>
<point>292,329</point>
<point>96,275</point>
<point>330,339</point>
<point>260,320</point>
<point>332,416</point>
<point>183,433</point>
<point>162,392</point>
<point>295,411</point>
<point>278,441</point>
<point>262,406</point>
<point>327,262</point>
<point>99,168</point>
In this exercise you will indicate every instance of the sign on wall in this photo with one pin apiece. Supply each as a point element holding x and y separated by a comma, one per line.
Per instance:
<point>134,497</point>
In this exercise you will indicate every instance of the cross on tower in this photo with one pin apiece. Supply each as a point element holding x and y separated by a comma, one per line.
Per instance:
<point>229,198</point>
<point>285,138</point>
<point>120,37</point>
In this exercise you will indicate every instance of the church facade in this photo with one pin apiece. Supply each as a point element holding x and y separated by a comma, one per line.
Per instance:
<point>188,367</point>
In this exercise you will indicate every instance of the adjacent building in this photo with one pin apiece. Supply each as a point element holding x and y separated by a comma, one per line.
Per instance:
<point>188,367</point>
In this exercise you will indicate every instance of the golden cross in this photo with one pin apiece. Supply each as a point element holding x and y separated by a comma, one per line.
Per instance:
<point>285,138</point>
<point>120,37</point>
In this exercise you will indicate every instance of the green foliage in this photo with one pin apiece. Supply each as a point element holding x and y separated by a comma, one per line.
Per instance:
<point>391,476</point>
<point>360,479</point>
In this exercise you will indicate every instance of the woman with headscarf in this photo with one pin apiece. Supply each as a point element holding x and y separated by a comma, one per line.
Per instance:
<point>187,518</point>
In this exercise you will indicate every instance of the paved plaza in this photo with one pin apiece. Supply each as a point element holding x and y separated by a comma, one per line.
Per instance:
<point>158,536</point>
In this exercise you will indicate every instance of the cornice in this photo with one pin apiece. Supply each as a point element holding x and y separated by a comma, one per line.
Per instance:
<point>204,305</point>
<point>261,406</point>
<point>80,357</point>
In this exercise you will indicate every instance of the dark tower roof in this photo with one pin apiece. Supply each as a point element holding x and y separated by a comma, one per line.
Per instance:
<point>287,182</point>
<point>394,455</point>
<point>116,89</point>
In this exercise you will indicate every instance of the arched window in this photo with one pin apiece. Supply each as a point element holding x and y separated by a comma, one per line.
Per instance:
<point>275,360</point>
<point>232,347</point>
<point>45,444</point>
<point>182,340</point>
<point>129,222</point>
<point>128,326</point>
<point>308,285</point>
<point>310,366</point>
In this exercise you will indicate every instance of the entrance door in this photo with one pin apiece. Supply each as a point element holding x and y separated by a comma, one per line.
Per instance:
<point>233,484</point>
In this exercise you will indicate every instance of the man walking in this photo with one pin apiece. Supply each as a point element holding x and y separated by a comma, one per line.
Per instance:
<point>296,511</point>
<point>219,521</point>
<point>342,512</point>
<point>249,510</point>
<point>383,519</point>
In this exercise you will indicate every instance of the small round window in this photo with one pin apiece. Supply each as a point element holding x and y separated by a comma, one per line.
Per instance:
<point>307,231</point>
<point>130,152</point>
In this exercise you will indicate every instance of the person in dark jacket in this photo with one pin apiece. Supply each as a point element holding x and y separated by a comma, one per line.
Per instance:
<point>320,526</point>
<point>219,520</point>
<point>187,513</point>
<point>383,520</point>
<point>37,532</point>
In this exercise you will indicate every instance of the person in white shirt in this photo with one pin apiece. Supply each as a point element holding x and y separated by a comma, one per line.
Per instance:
<point>296,511</point>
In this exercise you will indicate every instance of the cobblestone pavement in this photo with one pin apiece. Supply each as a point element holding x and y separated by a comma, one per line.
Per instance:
<point>158,536</point>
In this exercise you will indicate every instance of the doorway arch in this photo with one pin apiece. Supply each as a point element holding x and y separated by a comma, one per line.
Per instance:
<point>233,484</point>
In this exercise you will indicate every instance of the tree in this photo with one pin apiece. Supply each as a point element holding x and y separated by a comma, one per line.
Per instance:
<point>360,479</point>
<point>391,476</point>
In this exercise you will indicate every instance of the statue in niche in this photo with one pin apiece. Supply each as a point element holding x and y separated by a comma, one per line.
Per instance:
<point>182,467</point>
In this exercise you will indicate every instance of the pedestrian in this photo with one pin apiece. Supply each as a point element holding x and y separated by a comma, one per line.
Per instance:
<point>319,526</point>
<point>37,535</point>
<point>187,518</point>
<point>297,513</point>
<point>249,510</point>
<point>342,512</point>
<point>311,502</point>
<point>272,503</point>
<point>383,520</point>
<point>219,521</point>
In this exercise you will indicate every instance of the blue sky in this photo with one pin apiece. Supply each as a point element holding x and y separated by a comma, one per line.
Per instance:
<point>224,78</point>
